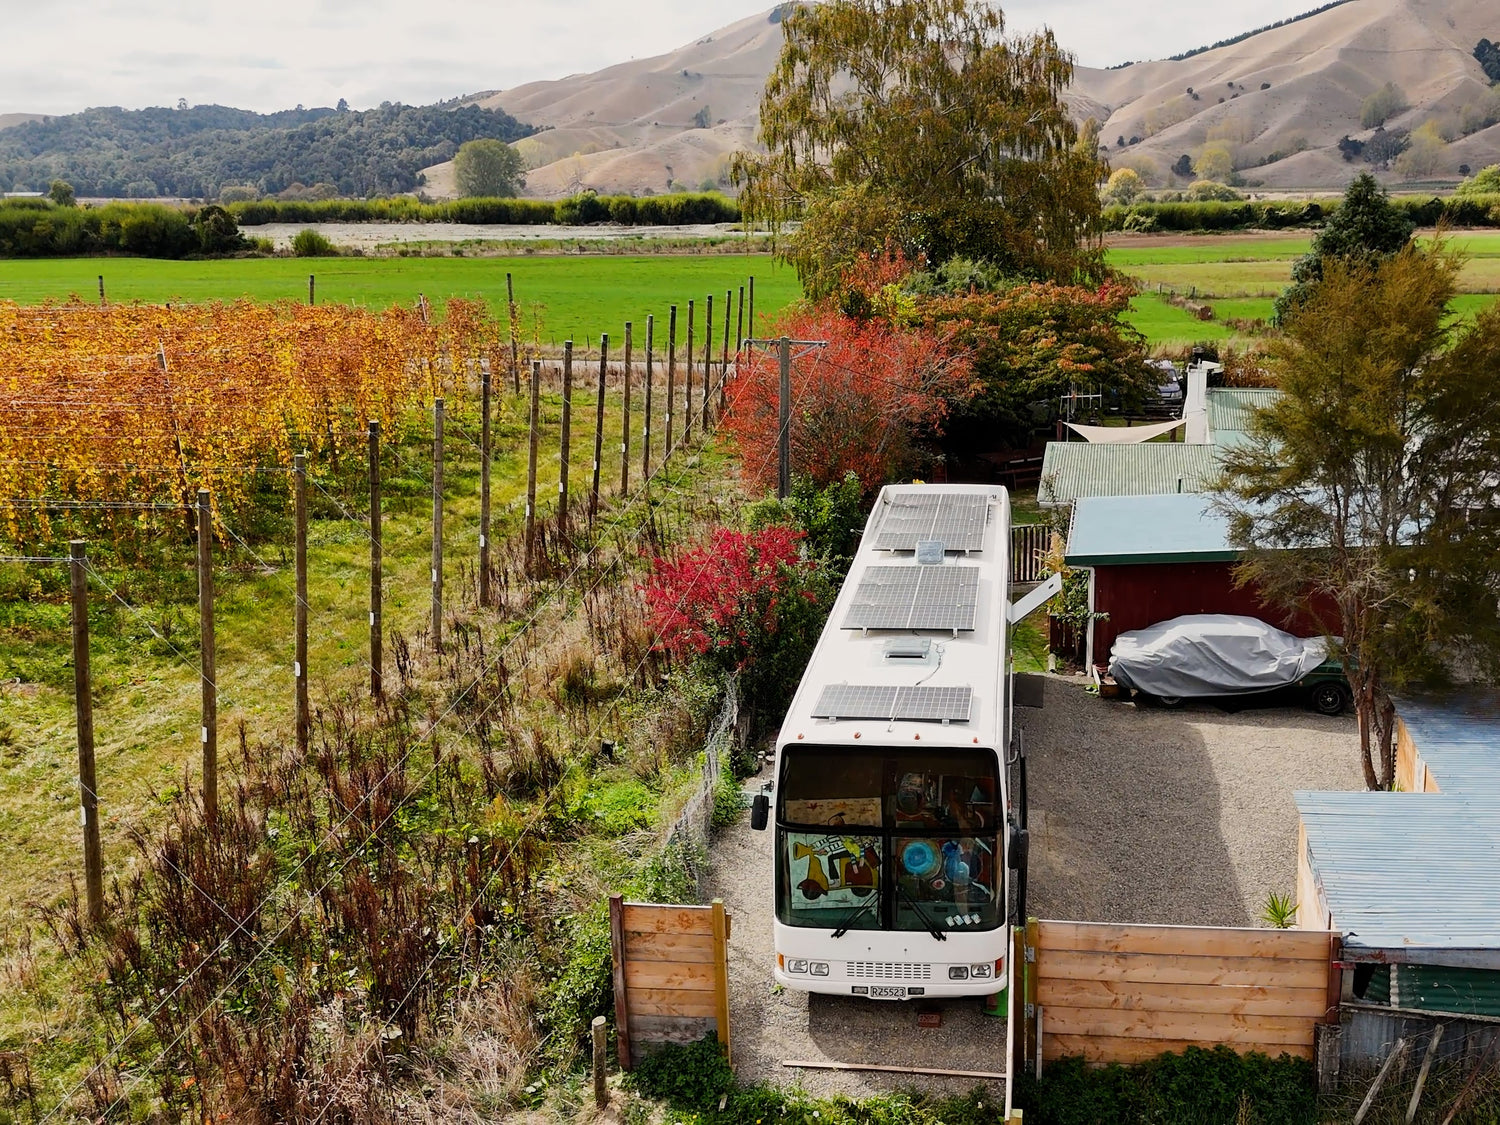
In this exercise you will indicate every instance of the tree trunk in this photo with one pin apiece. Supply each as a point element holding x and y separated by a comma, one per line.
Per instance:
<point>1385,728</point>
<point>1364,710</point>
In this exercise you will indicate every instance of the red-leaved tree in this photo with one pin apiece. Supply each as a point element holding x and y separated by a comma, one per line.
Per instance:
<point>748,603</point>
<point>857,405</point>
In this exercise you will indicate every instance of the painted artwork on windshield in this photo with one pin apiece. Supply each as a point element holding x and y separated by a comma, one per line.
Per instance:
<point>832,870</point>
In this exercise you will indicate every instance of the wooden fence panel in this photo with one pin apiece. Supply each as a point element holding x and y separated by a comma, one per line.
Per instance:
<point>671,968</point>
<point>1124,993</point>
<point>1029,543</point>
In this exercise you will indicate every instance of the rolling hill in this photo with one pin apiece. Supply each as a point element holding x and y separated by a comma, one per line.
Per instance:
<point>1280,100</point>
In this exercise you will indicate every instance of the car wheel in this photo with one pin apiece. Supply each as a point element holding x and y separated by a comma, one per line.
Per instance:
<point>1328,699</point>
<point>1169,700</point>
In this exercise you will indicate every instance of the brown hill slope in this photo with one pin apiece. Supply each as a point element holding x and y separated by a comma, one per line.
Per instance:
<point>646,124</point>
<point>1317,73</point>
<point>631,127</point>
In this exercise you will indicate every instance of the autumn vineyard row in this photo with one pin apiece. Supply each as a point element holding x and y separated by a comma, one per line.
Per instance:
<point>133,405</point>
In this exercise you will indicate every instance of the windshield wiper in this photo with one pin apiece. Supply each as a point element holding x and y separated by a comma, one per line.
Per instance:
<point>932,927</point>
<point>843,929</point>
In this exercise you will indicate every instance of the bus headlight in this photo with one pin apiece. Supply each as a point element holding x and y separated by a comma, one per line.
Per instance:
<point>980,972</point>
<point>818,968</point>
<point>797,966</point>
<point>958,972</point>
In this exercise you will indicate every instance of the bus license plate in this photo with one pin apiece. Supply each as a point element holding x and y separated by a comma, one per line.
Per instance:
<point>887,992</point>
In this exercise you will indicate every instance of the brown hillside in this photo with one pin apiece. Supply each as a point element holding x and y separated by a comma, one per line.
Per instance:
<point>1320,71</point>
<point>629,128</point>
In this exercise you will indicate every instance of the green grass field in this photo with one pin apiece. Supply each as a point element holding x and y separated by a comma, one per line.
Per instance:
<point>579,296</point>
<point>565,297</point>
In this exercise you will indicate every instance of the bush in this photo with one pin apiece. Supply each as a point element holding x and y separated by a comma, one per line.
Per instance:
<point>310,244</point>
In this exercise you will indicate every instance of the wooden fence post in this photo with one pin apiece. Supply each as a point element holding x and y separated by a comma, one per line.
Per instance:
<point>484,483</point>
<point>625,418</point>
<point>515,335</point>
<point>303,725</point>
<point>708,362</point>
<point>565,440</point>
<point>536,395</point>
<point>622,1009</point>
<point>752,304</point>
<point>311,288</point>
<point>207,657</point>
<point>1031,961</point>
<point>646,406</point>
<point>601,1062</point>
<point>739,331</point>
<point>671,379</point>
<point>83,710</point>
<point>102,302</point>
<point>687,384</point>
<point>377,563</point>
<point>721,977</point>
<point>437,525</point>
<point>724,352</point>
<point>1017,1013</point>
<point>599,427</point>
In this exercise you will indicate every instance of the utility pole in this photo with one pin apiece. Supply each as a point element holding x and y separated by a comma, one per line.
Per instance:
<point>784,347</point>
<point>377,565</point>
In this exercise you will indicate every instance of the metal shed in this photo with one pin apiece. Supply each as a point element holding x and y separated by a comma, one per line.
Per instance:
<point>1449,743</point>
<point>1152,558</point>
<point>1072,470</point>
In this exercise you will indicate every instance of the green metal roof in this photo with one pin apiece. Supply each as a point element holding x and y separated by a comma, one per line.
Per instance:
<point>1172,528</point>
<point>1229,408</point>
<point>1075,469</point>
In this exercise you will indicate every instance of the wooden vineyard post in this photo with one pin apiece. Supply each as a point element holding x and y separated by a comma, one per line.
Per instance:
<point>646,406</point>
<point>739,330</point>
<point>721,976</point>
<point>671,379</point>
<point>484,483</point>
<point>565,440</point>
<point>311,288</point>
<point>102,302</point>
<point>536,396</point>
<point>515,335</point>
<point>687,383</point>
<point>724,352</point>
<point>601,1061</point>
<point>437,525</point>
<point>622,1007</point>
<point>299,659</point>
<point>625,418</point>
<point>377,563</point>
<point>708,362</point>
<point>208,679</point>
<point>599,428</point>
<point>83,709</point>
<point>752,304</point>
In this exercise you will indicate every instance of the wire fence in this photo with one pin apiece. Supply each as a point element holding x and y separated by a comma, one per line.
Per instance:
<point>690,831</point>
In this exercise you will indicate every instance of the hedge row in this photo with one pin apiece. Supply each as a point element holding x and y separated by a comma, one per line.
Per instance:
<point>580,210</point>
<point>149,230</point>
<point>1459,211</point>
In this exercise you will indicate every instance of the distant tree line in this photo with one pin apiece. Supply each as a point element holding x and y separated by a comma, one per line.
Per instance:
<point>1470,210</point>
<point>195,153</point>
<point>38,228</point>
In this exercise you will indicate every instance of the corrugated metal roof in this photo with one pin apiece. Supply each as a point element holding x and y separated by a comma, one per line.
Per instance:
<point>1173,528</point>
<point>1229,408</point>
<point>1409,877</point>
<point>1074,469</point>
<point>1458,735</point>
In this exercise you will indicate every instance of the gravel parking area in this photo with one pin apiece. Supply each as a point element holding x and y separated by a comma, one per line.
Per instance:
<point>1182,816</point>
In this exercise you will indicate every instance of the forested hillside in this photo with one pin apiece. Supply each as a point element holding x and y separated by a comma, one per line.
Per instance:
<point>196,152</point>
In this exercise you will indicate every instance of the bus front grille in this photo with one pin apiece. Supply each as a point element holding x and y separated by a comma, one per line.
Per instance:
<point>888,970</point>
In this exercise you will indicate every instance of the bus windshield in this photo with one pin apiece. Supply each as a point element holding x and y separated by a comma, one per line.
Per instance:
<point>887,839</point>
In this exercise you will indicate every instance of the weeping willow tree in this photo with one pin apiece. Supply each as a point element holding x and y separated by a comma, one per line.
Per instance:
<point>917,125</point>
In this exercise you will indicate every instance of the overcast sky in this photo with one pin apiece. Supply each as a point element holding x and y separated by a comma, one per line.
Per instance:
<point>275,54</point>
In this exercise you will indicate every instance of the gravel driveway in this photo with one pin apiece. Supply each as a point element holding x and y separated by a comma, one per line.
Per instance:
<point>1179,816</point>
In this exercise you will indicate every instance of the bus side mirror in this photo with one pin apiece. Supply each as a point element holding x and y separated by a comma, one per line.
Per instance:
<point>1017,848</point>
<point>760,812</point>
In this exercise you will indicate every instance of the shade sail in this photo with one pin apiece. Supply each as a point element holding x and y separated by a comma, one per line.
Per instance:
<point>1123,435</point>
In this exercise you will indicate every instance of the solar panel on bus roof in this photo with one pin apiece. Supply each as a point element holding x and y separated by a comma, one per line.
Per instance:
<point>957,520</point>
<point>911,704</point>
<point>915,597</point>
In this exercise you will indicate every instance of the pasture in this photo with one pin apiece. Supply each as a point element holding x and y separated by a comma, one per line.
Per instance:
<point>560,297</point>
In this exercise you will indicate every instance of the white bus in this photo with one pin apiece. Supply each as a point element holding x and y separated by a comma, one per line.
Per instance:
<point>893,815</point>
